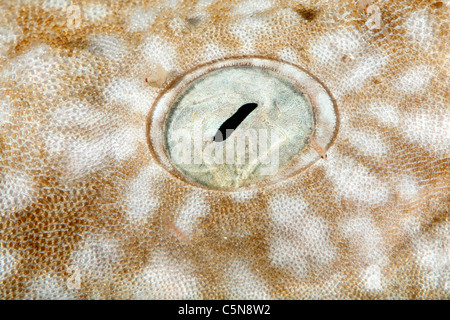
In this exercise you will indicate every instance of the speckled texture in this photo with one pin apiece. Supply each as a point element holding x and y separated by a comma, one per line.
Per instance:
<point>80,189</point>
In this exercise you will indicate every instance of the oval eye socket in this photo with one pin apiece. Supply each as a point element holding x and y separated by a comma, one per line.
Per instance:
<point>241,123</point>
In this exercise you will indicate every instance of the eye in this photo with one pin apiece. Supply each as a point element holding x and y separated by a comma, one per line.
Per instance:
<point>241,123</point>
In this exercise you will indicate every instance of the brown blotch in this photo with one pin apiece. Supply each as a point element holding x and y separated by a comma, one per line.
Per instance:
<point>437,5</point>
<point>193,21</point>
<point>377,80</point>
<point>307,14</point>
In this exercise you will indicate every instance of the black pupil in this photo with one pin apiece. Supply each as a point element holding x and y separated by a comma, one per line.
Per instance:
<point>228,127</point>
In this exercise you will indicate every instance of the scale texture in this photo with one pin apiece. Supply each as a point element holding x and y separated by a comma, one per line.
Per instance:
<point>86,212</point>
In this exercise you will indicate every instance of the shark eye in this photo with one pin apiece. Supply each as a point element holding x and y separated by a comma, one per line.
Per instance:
<point>241,123</point>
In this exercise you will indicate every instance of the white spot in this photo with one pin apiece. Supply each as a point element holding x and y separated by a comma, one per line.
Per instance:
<point>372,277</point>
<point>85,156</point>
<point>195,206</point>
<point>419,29</point>
<point>76,115</point>
<point>242,196</point>
<point>165,278</point>
<point>131,94</point>
<point>251,7</point>
<point>169,4</point>
<point>244,283</point>
<point>354,181</point>
<point>288,55</point>
<point>97,257</point>
<point>8,34</point>
<point>82,156</point>
<point>7,264</point>
<point>56,4</point>
<point>49,287</point>
<point>408,187</point>
<point>433,254</point>
<point>368,143</point>
<point>141,19</point>
<point>95,12</point>
<point>142,198</point>
<point>332,47</point>
<point>107,46</point>
<point>38,65</point>
<point>5,112</point>
<point>157,51</point>
<point>432,257</point>
<point>429,128</point>
<point>366,237</point>
<point>17,191</point>
<point>205,3</point>
<point>365,68</point>
<point>360,64</point>
<point>385,113</point>
<point>124,143</point>
<point>414,80</point>
<point>212,51</point>
<point>302,239</point>
<point>410,225</point>
<point>248,30</point>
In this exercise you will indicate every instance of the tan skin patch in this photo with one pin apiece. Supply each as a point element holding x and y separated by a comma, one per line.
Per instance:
<point>48,231</point>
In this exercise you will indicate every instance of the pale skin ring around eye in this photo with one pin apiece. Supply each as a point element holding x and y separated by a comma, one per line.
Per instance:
<point>242,123</point>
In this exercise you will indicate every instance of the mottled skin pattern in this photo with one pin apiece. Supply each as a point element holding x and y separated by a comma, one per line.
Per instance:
<point>79,189</point>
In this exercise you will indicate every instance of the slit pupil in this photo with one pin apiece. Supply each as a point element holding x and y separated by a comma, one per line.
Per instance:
<point>228,127</point>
